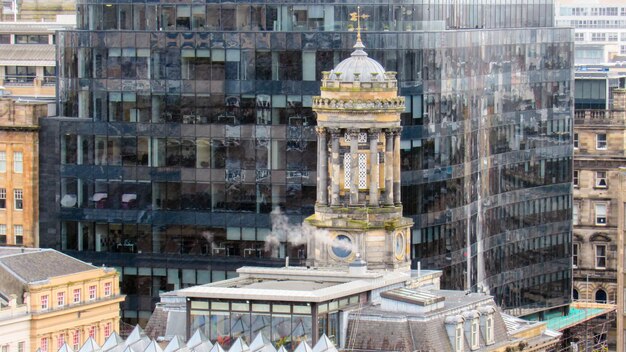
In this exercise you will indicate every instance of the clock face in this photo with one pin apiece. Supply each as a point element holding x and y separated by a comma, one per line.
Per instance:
<point>342,246</point>
<point>399,245</point>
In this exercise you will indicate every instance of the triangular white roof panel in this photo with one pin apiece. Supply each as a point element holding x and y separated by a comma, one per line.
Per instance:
<point>303,347</point>
<point>112,341</point>
<point>90,346</point>
<point>239,346</point>
<point>324,345</point>
<point>65,348</point>
<point>176,344</point>
<point>197,338</point>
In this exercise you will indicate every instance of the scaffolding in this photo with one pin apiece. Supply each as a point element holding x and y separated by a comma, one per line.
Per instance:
<point>586,328</point>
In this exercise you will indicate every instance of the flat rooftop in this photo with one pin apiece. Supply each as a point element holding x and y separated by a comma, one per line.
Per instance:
<point>299,284</point>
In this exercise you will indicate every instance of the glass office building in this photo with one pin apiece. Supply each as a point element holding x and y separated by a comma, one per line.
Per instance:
<point>184,124</point>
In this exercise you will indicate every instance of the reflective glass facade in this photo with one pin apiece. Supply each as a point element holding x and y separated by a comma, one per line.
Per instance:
<point>185,124</point>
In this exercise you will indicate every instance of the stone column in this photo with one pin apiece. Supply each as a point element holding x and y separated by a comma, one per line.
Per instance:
<point>354,166</point>
<point>374,178</point>
<point>388,199</point>
<point>334,181</point>
<point>322,167</point>
<point>396,167</point>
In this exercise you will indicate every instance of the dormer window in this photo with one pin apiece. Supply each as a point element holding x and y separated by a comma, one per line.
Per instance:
<point>487,323</point>
<point>474,339</point>
<point>489,334</point>
<point>458,338</point>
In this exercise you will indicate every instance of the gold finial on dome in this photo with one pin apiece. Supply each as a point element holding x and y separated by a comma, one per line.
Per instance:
<point>356,16</point>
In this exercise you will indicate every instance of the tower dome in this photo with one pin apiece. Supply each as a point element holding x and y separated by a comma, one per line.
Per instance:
<point>358,67</point>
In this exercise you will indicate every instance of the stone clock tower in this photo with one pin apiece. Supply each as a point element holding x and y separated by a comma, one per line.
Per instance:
<point>358,207</point>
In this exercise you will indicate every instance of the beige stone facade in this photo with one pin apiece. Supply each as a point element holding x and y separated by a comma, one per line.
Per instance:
<point>60,299</point>
<point>599,152</point>
<point>19,172</point>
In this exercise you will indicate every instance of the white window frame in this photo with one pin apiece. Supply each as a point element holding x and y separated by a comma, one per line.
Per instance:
<point>45,302</point>
<point>576,178</point>
<point>576,142</point>
<point>76,339</point>
<point>44,344</point>
<point>489,330</point>
<point>92,292</point>
<point>600,216</point>
<point>76,296</point>
<point>108,289</point>
<point>3,161</point>
<point>597,257</point>
<point>458,338</point>
<point>3,195</point>
<point>61,299</point>
<point>107,330</point>
<point>18,194</point>
<point>601,143</point>
<point>474,337</point>
<point>60,340</point>
<point>18,162</point>
<point>3,232</point>
<point>575,253</point>
<point>92,332</point>
<point>18,230</point>
<point>602,179</point>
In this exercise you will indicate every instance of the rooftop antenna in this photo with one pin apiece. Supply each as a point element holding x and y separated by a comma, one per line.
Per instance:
<point>356,16</point>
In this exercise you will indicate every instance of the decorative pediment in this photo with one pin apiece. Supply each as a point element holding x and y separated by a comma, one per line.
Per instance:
<point>578,238</point>
<point>600,237</point>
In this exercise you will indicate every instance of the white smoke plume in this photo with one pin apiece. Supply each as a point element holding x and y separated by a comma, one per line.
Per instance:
<point>297,234</point>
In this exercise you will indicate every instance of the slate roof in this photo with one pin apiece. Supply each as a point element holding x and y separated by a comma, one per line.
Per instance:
<point>32,266</point>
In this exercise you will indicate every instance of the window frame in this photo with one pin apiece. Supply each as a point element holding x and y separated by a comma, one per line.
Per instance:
<point>576,178</point>
<point>108,289</point>
<point>601,144</point>
<point>575,253</point>
<point>45,302</point>
<point>18,199</point>
<point>61,299</point>
<point>596,257</point>
<point>18,162</point>
<point>576,141</point>
<point>474,334</point>
<point>3,161</point>
<point>43,343</point>
<point>76,296</point>
<point>3,198</point>
<point>18,231</point>
<point>92,289</point>
<point>458,338</point>
<point>597,216</point>
<point>601,179</point>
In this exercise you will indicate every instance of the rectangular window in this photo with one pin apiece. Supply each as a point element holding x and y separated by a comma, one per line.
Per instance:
<point>76,295</point>
<point>575,249</point>
<point>108,288</point>
<point>18,231</point>
<point>459,339</point>
<point>44,344</point>
<point>3,162</point>
<point>601,141</point>
<point>3,198</point>
<point>20,346</point>
<point>489,330</point>
<point>601,181</point>
<point>60,299</point>
<point>92,332</point>
<point>579,36</point>
<point>575,140</point>
<point>76,339</point>
<point>575,214</point>
<point>92,292</point>
<point>575,178</point>
<point>44,302</point>
<point>107,330</point>
<point>60,341</point>
<point>19,199</point>
<point>600,214</point>
<point>475,342</point>
<point>18,162</point>
<point>600,256</point>
<point>3,234</point>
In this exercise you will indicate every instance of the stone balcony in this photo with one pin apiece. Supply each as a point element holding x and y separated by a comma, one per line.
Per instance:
<point>599,117</point>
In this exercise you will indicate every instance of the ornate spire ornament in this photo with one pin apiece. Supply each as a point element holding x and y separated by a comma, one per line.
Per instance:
<point>356,17</point>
